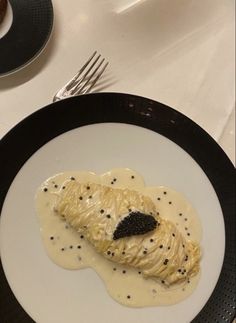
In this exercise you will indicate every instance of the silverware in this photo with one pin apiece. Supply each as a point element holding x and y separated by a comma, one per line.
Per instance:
<point>85,79</point>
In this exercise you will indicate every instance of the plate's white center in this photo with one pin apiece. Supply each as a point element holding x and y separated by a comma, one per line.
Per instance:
<point>58,295</point>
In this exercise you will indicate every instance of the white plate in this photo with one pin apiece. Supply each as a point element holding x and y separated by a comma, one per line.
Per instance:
<point>52,294</point>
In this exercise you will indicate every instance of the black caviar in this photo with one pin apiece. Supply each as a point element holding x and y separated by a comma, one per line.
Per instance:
<point>134,224</point>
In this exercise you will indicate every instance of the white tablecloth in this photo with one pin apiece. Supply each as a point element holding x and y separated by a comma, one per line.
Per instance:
<point>179,52</point>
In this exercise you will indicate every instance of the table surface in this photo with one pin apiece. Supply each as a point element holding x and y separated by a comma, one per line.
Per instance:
<point>178,52</point>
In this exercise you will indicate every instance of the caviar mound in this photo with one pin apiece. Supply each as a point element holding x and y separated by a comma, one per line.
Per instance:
<point>134,224</point>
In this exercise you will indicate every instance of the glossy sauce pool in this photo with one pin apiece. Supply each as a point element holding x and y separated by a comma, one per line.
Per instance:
<point>68,248</point>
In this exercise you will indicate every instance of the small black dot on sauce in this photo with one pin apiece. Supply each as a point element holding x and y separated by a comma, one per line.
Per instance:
<point>81,198</point>
<point>114,268</point>
<point>45,189</point>
<point>180,214</point>
<point>112,183</point>
<point>173,234</point>
<point>62,249</point>
<point>161,246</point>
<point>108,216</point>
<point>188,281</point>
<point>188,234</point>
<point>158,213</point>
<point>108,252</point>
<point>56,186</point>
<point>102,211</point>
<point>165,192</point>
<point>179,270</point>
<point>114,179</point>
<point>145,252</point>
<point>130,210</point>
<point>72,178</point>
<point>123,252</point>
<point>90,196</point>
<point>158,198</point>
<point>132,176</point>
<point>51,238</point>
<point>168,248</point>
<point>81,237</point>
<point>79,247</point>
<point>139,272</point>
<point>170,202</point>
<point>113,254</point>
<point>185,219</point>
<point>151,240</point>
<point>88,187</point>
<point>183,246</point>
<point>185,228</point>
<point>163,282</point>
<point>71,247</point>
<point>124,271</point>
<point>63,187</point>
<point>128,296</point>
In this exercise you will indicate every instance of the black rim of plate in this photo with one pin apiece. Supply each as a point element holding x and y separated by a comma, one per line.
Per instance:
<point>75,112</point>
<point>28,34</point>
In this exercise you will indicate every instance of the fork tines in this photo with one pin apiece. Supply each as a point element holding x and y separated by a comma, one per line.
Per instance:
<point>85,79</point>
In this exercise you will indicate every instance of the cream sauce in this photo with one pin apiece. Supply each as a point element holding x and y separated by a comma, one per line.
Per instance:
<point>67,248</point>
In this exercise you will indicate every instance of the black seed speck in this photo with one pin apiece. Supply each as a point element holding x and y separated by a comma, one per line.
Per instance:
<point>158,198</point>
<point>168,248</point>
<point>132,176</point>
<point>165,192</point>
<point>108,216</point>
<point>180,214</point>
<point>128,296</point>
<point>183,246</point>
<point>130,210</point>
<point>145,252</point>
<point>90,196</point>
<point>170,202</point>
<point>123,252</point>
<point>62,249</point>
<point>151,240</point>
<point>108,252</point>
<point>102,211</point>
<point>113,254</point>
<point>188,234</point>
<point>71,247</point>
<point>114,268</point>
<point>81,237</point>
<point>112,183</point>
<point>163,282</point>
<point>45,189</point>
<point>88,187</point>
<point>124,271</point>
<point>63,187</point>
<point>182,273</point>
<point>185,219</point>
<point>186,258</point>
<point>56,186</point>
<point>161,246</point>
<point>185,228</point>
<point>158,213</point>
<point>173,234</point>
<point>51,238</point>
<point>78,247</point>
<point>72,178</point>
<point>166,261</point>
<point>114,179</point>
<point>81,198</point>
<point>188,281</point>
<point>140,272</point>
<point>179,270</point>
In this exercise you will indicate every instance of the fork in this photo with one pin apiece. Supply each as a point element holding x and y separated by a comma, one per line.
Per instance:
<point>85,79</point>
